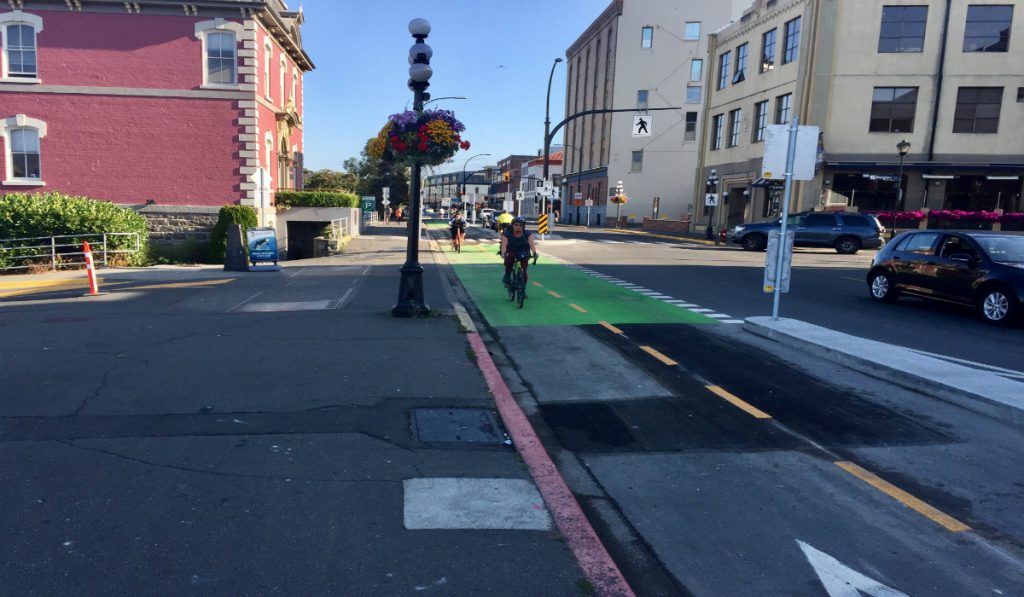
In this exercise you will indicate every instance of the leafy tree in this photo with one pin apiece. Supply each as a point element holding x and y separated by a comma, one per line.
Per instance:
<point>372,174</point>
<point>330,180</point>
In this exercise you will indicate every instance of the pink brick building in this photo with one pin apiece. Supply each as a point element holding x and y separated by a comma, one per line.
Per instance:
<point>194,104</point>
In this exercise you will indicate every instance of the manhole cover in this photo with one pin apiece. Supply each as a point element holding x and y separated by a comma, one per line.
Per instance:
<point>470,425</point>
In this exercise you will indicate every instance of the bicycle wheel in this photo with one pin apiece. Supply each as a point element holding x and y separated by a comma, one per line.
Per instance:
<point>520,288</point>
<point>511,286</point>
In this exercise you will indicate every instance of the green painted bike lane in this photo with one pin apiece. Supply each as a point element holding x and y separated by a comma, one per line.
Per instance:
<point>564,296</point>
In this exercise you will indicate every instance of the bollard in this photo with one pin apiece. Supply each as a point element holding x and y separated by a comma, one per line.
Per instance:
<point>90,270</point>
<point>722,236</point>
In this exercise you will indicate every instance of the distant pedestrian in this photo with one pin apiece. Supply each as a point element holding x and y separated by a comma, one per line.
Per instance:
<point>387,214</point>
<point>399,214</point>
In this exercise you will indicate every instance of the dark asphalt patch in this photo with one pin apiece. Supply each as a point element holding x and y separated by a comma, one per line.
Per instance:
<point>472,425</point>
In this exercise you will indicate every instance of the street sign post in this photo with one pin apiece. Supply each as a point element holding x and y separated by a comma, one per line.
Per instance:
<point>772,263</point>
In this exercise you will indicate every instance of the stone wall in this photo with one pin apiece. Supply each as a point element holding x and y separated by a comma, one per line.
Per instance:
<point>178,224</point>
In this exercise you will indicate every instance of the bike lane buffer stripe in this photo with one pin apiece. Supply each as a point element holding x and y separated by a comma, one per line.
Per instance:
<point>591,554</point>
<point>937,516</point>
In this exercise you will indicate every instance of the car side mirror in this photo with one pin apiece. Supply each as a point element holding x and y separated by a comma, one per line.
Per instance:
<point>964,258</point>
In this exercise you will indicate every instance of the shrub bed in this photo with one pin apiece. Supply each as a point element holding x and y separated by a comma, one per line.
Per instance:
<point>286,199</point>
<point>244,216</point>
<point>27,215</point>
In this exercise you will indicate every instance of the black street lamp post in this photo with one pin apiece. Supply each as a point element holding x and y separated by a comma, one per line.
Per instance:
<point>410,288</point>
<point>547,119</point>
<point>710,188</point>
<point>462,185</point>
<point>903,147</point>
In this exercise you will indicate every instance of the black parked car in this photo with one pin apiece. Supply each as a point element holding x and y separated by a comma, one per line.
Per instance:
<point>983,269</point>
<point>846,232</point>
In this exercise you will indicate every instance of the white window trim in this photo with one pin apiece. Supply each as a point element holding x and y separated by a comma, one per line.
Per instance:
<point>268,155</point>
<point>21,121</point>
<point>18,17</point>
<point>203,29</point>
<point>268,58</point>
<point>282,71</point>
<point>295,85</point>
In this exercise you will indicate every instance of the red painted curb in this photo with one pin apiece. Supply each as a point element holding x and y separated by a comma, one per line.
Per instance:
<point>593,558</point>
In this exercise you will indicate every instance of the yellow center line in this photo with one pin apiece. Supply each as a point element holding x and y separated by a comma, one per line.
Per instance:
<point>610,327</point>
<point>659,356</point>
<point>943,519</point>
<point>577,307</point>
<point>554,294</point>
<point>738,403</point>
<point>537,284</point>
<point>184,284</point>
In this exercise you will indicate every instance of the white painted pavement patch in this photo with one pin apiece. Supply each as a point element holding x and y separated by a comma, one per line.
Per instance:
<point>459,503</point>
<point>289,306</point>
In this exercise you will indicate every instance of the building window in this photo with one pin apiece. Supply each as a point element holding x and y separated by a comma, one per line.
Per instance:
<point>641,99</point>
<point>282,68</point>
<point>741,64</point>
<point>723,70</point>
<point>716,131</point>
<point>22,158</point>
<point>735,119</point>
<point>783,106</point>
<point>691,127</point>
<point>768,51</point>
<point>977,110</point>
<point>221,62</point>
<point>693,94</point>
<point>692,31</point>
<point>760,121</point>
<point>792,41</point>
<point>295,86</point>
<point>1020,95</point>
<point>220,43</point>
<point>988,28</point>
<point>902,29</point>
<point>268,57</point>
<point>18,31</point>
<point>696,69</point>
<point>893,110</point>
<point>637,164</point>
<point>646,37</point>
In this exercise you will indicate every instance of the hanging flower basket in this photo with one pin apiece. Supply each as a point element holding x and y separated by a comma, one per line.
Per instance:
<point>431,137</point>
<point>619,199</point>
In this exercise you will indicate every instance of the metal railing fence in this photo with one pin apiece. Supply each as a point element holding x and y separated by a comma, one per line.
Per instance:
<point>65,250</point>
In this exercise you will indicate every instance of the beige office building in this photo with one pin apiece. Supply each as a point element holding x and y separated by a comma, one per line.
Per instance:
<point>946,76</point>
<point>639,55</point>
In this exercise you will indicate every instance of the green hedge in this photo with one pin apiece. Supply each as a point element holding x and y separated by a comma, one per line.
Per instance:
<point>26,215</point>
<point>286,199</point>
<point>242,215</point>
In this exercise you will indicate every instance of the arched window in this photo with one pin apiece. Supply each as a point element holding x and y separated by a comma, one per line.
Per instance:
<point>284,166</point>
<point>280,77</point>
<point>22,151</point>
<point>295,85</point>
<point>220,52</point>
<point>268,57</point>
<point>268,157</point>
<point>20,55</point>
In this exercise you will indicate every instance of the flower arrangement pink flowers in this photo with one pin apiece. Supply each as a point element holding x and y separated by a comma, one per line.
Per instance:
<point>619,199</point>
<point>429,137</point>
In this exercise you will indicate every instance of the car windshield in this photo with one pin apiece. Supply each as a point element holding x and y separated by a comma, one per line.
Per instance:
<point>1004,249</point>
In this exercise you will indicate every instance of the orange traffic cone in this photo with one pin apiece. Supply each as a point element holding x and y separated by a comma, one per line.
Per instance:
<point>90,269</point>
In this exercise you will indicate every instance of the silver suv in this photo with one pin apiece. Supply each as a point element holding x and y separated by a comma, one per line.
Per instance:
<point>846,232</point>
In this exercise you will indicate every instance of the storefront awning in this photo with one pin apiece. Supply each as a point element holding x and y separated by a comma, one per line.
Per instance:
<point>767,182</point>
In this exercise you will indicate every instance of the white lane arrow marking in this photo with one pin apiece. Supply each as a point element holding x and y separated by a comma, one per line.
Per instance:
<point>842,581</point>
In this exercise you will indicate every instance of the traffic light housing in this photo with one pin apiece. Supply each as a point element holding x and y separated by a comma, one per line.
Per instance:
<point>506,176</point>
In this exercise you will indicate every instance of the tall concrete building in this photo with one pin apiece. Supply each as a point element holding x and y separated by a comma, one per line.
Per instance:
<point>638,55</point>
<point>946,76</point>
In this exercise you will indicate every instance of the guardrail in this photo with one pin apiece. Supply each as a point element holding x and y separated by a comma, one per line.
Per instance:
<point>65,250</point>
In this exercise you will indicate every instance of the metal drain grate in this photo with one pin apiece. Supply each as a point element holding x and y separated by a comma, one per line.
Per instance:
<point>471,425</point>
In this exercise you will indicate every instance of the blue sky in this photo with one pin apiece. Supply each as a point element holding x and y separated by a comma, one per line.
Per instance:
<point>497,54</point>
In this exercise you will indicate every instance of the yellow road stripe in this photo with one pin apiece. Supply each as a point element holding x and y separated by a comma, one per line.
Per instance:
<point>23,288</point>
<point>738,403</point>
<point>659,356</point>
<point>184,284</point>
<point>947,521</point>
<point>577,307</point>
<point>554,294</point>
<point>610,327</point>
<point>537,284</point>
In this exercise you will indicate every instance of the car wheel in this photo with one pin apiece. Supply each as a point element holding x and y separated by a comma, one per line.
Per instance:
<point>882,287</point>
<point>754,242</point>
<point>847,245</point>
<point>998,305</point>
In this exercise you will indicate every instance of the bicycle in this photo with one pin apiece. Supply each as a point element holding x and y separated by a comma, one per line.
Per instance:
<point>517,283</point>
<point>457,242</point>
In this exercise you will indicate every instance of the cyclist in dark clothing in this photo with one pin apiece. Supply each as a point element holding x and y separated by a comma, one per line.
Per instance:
<point>457,226</point>
<point>517,244</point>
